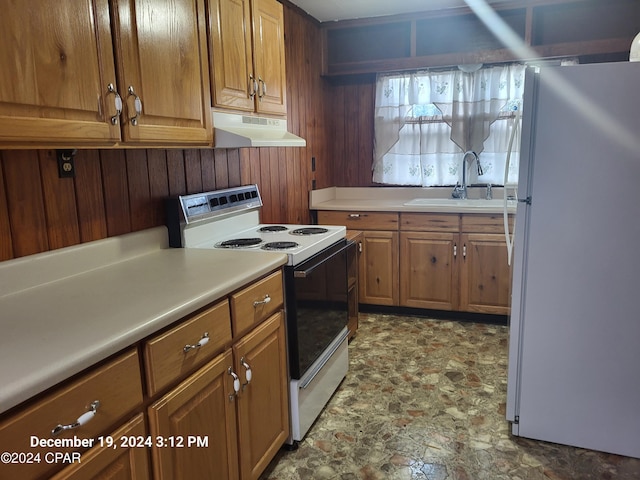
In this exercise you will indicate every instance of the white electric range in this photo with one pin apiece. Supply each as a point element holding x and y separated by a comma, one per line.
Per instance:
<point>230,219</point>
<point>315,280</point>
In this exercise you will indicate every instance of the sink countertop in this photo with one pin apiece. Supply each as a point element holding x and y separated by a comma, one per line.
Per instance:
<point>65,310</point>
<point>399,199</point>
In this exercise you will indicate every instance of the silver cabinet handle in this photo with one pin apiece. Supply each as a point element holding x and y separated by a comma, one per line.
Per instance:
<point>82,419</point>
<point>137,105</point>
<point>247,374</point>
<point>201,343</point>
<point>266,300</point>
<point>262,84</point>
<point>455,250</point>
<point>117,101</point>
<point>253,86</point>
<point>236,384</point>
<point>464,251</point>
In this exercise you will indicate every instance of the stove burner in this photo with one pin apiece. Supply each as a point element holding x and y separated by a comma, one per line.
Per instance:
<point>309,231</point>
<point>240,242</point>
<point>279,245</point>
<point>273,228</point>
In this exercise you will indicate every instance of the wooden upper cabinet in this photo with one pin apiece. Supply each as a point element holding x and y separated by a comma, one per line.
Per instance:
<point>56,61</point>
<point>163,71</point>
<point>247,55</point>
<point>230,54</point>
<point>268,56</point>
<point>64,64</point>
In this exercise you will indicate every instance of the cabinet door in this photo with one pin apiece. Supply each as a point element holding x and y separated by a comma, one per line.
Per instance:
<point>485,274</point>
<point>263,403</point>
<point>56,62</point>
<point>161,54</point>
<point>268,55</point>
<point>202,407</point>
<point>378,279</point>
<point>429,273</point>
<point>230,54</point>
<point>125,462</point>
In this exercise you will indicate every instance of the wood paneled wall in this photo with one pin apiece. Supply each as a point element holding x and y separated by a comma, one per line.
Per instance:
<point>120,191</point>
<point>350,128</point>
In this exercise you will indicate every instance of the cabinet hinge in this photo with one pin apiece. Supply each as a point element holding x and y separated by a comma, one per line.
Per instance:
<point>516,419</point>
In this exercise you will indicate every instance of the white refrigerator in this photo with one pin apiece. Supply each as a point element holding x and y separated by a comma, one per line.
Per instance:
<point>574,346</point>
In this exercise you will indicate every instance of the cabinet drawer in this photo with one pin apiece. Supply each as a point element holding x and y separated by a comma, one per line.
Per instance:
<point>173,354</point>
<point>360,220</point>
<point>131,460</point>
<point>430,222</point>
<point>489,223</point>
<point>255,303</point>
<point>117,386</point>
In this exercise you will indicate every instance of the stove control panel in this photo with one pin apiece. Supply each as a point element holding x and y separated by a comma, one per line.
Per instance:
<point>210,204</point>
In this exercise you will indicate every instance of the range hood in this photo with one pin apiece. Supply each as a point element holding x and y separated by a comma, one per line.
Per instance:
<point>236,130</point>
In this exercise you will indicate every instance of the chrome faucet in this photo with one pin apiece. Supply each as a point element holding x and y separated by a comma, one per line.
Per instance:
<point>460,191</point>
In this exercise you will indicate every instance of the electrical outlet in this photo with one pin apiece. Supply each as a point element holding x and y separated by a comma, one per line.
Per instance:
<point>66,165</point>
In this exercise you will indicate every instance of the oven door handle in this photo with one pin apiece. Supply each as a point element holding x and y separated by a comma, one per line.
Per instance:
<point>305,273</point>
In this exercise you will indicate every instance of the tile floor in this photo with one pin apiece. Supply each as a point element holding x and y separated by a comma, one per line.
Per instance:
<point>425,399</point>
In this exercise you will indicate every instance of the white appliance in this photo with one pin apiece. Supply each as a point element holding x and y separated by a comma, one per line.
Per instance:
<point>574,348</point>
<point>315,279</point>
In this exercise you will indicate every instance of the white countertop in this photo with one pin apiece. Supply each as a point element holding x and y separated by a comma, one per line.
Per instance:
<point>63,311</point>
<point>407,199</point>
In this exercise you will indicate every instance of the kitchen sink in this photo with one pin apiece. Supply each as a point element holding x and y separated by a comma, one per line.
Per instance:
<point>455,203</point>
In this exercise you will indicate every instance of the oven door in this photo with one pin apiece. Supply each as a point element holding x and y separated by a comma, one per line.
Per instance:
<point>317,308</point>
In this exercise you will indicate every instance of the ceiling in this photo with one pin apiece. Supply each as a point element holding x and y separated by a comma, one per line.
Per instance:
<point>330,10</point>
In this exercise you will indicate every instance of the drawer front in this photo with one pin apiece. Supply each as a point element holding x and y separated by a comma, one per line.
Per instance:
<point>430,222</point>
<point>175,353</point>
<point>489,223</point>
<point>117,386</point>
<point>251,306</point>
<point>360,220</point>
<point>128,458</point>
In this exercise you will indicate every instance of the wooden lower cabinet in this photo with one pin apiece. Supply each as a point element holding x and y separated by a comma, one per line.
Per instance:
<point>263,400</point>
<point>485,276</point>
<point>436,261</point>
<point>353,264</point>
<point>200,407</point>
<point>444,269</point>
<point>429,277</point>
<point>113,391</point>
<point>378,277</point>
<point>243,429</point>
<point>128,462</point>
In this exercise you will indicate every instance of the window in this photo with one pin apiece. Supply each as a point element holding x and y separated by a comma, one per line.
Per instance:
<point>426,121</point>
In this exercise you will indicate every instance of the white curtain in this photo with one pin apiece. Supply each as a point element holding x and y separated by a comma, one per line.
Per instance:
<point>425,121</point>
